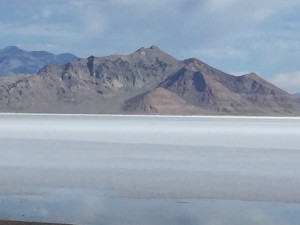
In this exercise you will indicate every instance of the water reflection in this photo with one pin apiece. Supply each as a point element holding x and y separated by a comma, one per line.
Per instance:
<point>92,206</point>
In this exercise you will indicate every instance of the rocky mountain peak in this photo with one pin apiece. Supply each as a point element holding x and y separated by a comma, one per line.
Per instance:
<point>154,47</point>
<point>251,75</point>
<point>11,50</point>
<point>194,64</point>
<point>146,81</point>
<point>152,51</point>
<point>140,49</point>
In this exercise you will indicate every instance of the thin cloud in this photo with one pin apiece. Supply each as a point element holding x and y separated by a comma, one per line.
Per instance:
<point>46,30</point>
<point>219,5</point>
<point>40,47</point>
<point>255,9</point>
<point>74,22</point>
<point>222,53</point>
<point>288,81</point>
<point>257,35</point>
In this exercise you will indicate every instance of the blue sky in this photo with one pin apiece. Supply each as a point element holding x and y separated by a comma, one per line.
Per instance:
<point>236,36</point>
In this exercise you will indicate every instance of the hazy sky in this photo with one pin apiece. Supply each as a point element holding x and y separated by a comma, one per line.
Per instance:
<point>236,36</point>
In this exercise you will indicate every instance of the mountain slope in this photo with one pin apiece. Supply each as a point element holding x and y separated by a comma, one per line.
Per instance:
<point>92,85</point>
<point>17,61</point>
<point>158,100</point>
<point>204,86</point>
<point>148,81</point>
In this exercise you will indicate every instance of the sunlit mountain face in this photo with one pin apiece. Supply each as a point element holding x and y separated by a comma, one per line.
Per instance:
<point>147,81</point>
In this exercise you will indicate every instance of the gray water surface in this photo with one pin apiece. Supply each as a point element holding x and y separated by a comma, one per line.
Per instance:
<point>92,206</point>
<point>150,170</point>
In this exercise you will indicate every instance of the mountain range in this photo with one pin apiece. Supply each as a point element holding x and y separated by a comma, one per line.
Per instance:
<point>14,60</point>
<point>148,81</point>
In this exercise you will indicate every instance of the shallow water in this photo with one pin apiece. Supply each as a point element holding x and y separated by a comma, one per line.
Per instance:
<point>150,170</point>
<point>93,206</point>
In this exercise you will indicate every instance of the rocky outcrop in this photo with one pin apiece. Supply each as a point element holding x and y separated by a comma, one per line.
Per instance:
<point>148,81</point>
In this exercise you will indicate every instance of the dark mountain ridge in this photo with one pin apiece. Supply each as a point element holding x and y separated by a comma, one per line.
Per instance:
<point>145,82</point>
<point>14,60</point>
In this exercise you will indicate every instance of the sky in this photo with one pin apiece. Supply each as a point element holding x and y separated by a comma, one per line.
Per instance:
<point>235,36</point>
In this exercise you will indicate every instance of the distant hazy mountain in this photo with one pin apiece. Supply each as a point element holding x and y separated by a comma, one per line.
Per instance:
<point>297,95</point>
<point>17,61</point>
<point>148,81</point>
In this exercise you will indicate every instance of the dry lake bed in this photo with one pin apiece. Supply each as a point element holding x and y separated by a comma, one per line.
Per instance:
<point>101,169</point>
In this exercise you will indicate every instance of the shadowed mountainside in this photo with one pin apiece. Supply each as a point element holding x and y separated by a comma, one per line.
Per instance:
<point>148,81</point>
